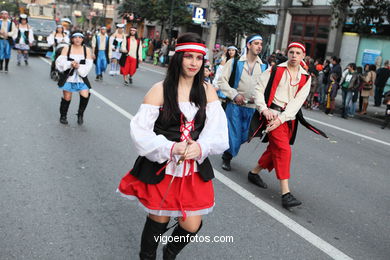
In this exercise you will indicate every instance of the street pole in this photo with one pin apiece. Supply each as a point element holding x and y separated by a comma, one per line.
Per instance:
<point>104,11</point>
<point>170,22</point>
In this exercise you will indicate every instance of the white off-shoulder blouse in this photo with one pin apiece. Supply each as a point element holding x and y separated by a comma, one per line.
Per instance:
<point>157,148</point>
<point>63,64</point>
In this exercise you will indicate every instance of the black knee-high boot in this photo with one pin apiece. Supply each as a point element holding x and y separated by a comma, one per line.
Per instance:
<point>172,249</point>
<point>1,65</point>
<point>82,106</point>
<point>64,111</point>
<point>387,117</point>
<point>6,65</point>
<point>149,243</point>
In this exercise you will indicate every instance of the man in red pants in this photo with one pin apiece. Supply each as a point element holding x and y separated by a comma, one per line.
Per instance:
<point>279,100</point>
<point>132,48</point>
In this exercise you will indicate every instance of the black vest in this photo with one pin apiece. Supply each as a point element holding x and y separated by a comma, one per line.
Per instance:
<point>26,34</point>
<point>98,46</point>
<point>146,170</point>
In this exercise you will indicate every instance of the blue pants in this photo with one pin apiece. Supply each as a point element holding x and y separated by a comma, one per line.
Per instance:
<point>101,63</point>
<point>5,49</point>
<point>239,119</point>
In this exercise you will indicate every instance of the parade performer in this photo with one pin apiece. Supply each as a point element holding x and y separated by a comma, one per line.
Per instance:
<point>279,96</point>
<point>231,53</point>
<point>66,23</point>
<point>74,64</point>
<point>115,49</point>
<point>237,82</point>
<point>129,62</point>
<point>180,123</point>
<point>145,48</point>
<point>100,49</point>
<point>57,40</point>
<point>23,39</point>
<point>7,32</point>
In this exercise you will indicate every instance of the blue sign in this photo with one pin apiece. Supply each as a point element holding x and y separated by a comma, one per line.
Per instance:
<point>199,15</point>
<point>369,56</point>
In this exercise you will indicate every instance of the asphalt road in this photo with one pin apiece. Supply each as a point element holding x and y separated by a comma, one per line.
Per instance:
<point>58,183</point>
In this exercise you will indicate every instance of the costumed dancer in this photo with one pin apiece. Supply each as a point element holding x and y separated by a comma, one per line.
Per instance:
<point>66,23</point>
<point>57,40</point>
<point>237,82</point>
<point>180,123</point>
<point>279,96</point>
<point>115,49</point>
<point>100,49</point>
<point>145,48</point>
<point>331,94</point>
<point>74,64</point>
<point>133,48</point>
<point>7,32</point>
<point>23,39</point>
<point>231,53</point>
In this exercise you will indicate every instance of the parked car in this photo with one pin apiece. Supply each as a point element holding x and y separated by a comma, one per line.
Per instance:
<point>42,29</point>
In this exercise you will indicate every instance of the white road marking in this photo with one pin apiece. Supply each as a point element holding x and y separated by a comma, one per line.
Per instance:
<point>348,131</point>
<point>313,239</point>
<point>45,60</point>
<point>155,71</point>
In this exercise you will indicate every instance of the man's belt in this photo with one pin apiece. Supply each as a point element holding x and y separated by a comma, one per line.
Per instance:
<point>276,107</point>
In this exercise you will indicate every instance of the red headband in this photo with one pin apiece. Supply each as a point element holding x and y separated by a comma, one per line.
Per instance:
<point>191,47</point>
<point>297,45</point>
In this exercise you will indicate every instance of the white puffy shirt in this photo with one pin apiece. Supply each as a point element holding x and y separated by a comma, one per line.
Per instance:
<point>63,64</point>
<point>157,148</point>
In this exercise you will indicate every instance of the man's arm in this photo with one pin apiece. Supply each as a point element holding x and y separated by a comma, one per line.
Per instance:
<point>260,89</point>
<point>223,81</point>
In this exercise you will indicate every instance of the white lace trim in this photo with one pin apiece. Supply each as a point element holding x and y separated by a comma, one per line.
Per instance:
<point>168,213</point>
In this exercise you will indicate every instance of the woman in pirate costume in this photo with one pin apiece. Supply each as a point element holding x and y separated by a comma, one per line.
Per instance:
<point>231,53</point>
<point>114,52</point>
<point>74,64</point>
<point>57,40</point>
<point>279,97</point>
<point>24,39</point>
<point>180,124</point>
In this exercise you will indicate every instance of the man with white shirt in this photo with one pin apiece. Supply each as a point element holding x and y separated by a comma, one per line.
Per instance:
<point>237,82</point>
<point>7,31</point>
<point>100,49</point>
<point>132,48</point>
<point>279,96</point>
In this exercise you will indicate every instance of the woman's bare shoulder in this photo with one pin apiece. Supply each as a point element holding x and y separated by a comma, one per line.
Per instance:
<point>155,95</point>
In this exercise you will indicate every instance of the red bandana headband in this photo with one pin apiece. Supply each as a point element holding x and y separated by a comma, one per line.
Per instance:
<point>191,47</point>
<point>297,45</point>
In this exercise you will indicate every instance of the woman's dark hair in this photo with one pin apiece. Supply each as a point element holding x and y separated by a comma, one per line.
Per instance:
<point>20,19</point>
<point>372,67</point>
<point>359,70</point>
<point>60,28</point>
<point>228,56</point>
<point>76,31</point>
<point>171,83</point>
<point>352,65</point>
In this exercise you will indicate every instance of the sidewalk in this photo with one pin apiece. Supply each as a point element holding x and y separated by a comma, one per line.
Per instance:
<point>374,114</point>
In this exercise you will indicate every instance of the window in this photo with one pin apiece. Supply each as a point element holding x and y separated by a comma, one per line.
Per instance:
<point>313,30</point>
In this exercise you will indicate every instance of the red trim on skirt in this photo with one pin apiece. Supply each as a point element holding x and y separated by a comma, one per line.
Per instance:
<point>278,153</point>
<point>130,66</point>
<point>189,193</point>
